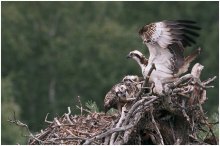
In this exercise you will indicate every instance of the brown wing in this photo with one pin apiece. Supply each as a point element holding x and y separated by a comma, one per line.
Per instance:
<point>173,36</point>
<point>168,32</point>
<point>177,59</point>
<point>111,99</point>
<point>183,30</point>
<point>188,60</point>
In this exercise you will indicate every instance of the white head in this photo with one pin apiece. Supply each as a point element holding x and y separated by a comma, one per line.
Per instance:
<point>135,54</point>
<point>130,79</point>
<point>138,56</point>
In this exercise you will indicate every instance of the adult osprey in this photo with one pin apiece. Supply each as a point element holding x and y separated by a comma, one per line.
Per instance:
<point>166,42</point>
<point>123,92</point>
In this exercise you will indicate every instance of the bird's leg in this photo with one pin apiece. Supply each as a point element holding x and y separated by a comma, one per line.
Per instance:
<point>151,88</point>
<point>158,87</point>
<point>149,73</point>
<point>148,77</point>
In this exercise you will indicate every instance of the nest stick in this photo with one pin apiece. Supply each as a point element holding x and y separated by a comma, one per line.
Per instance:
<point>67,116</point>
<point>112,139</point>
<point>81,108</point>
<point>100,136</point>
<point>50,122</point>
<point>157,129</point>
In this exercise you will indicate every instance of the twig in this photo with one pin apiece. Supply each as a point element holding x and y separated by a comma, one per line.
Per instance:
<point>209,80</point>
<point>39,137</point>
<point>84,109</point>
<point>203,97</point>
<point>54,126</point>
<point>210,129</point>
<point>213,135</point>
<point>88,141</point>
<point>183,95</point>
<point>173,134</point>
<point>19,123</point>
<point>67,116</point>
<point>58,123</point>
<point>196,70</point>
<point>81,132</point>
<point>148,97</point>
<point>45,120</point>
<point>81,107</point>
<point>74,136</point>
<point>107,138</point>
<point>157,129</point>
<point>112,139</point>
<point>134,107</point>
<point>128,132</point>
<point>36,139</point>
<point>183,111</point>
<point>197,81</point>
<point>180,80</point>
<point>214,123</point>
<point>207,87</point>
<point>67,138</point>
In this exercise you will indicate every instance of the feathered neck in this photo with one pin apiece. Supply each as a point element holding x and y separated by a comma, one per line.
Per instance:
<point>142,62</point>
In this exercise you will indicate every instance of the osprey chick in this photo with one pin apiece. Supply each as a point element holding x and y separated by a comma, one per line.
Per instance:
<point>122,93</point>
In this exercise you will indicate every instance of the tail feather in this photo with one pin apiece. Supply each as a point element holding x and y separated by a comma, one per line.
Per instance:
<point>188,60</point>
<point>192,56</point>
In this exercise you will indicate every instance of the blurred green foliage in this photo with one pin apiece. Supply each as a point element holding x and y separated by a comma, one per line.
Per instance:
<point>54,51</point>
<point>11,134</point>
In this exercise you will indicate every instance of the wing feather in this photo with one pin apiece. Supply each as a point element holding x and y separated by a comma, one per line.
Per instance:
<point>180,30</point>
<point>172,36</point>
<point>178,59</point>
<point>162,43</point>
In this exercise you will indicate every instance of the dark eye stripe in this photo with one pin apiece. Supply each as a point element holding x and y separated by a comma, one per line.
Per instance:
<point>137,56</point>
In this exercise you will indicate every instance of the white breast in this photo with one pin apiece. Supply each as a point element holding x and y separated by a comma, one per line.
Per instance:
<point>161,58</point>
<point>159,73</point>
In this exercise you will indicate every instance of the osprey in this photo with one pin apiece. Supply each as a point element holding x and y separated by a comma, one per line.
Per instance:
<point>123,92</point>
<point>143,61</point>
<point>166,42</point>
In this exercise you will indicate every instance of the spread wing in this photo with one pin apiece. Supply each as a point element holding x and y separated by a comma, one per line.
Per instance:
<point>169,37</point>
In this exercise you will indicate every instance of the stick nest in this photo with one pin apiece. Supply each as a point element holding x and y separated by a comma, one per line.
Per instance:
<point>176,117</point>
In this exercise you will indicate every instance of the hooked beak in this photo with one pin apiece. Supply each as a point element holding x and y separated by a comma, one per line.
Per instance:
<point>128,56</point>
